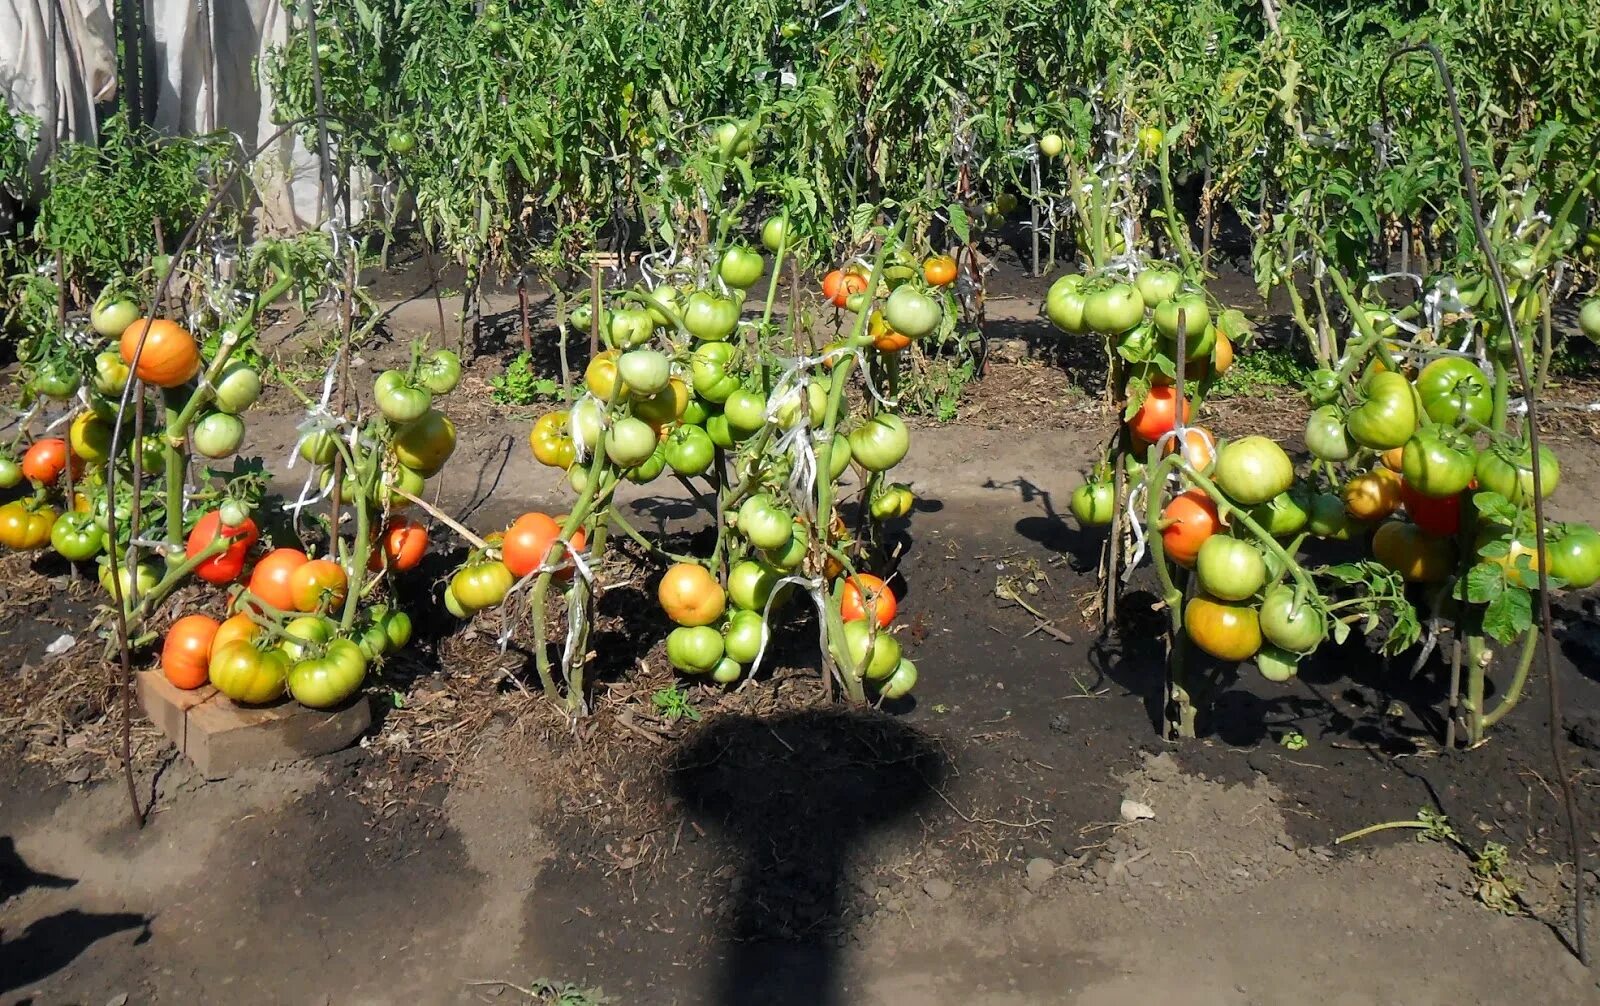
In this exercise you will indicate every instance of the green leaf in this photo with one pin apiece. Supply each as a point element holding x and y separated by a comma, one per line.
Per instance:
<point>1509,615</point>
<point>1485,582</point>
<point>960,226</point>
<point>1495,508</point>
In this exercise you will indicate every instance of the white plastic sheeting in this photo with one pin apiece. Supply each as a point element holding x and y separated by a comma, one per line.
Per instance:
<point>58,58</point>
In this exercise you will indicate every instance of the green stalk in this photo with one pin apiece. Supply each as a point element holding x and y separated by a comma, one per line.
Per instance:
<point>1369,343</point>
<point>1171,596</point>
<point>1477,673</point>
<point>1501,396</point>
<point>541,586</point>
<point>1530,644</point>
<point>1175,232</point>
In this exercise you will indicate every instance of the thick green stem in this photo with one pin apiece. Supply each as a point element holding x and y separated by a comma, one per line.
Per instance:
<point>1530,645</point>
<point>1178,713</point>
<point>1370,341</point>
<point>1477,674</point>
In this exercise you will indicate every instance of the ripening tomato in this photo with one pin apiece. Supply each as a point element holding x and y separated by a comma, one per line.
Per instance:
<point>479,585</point>
<point>1372,495</point>
<point>169,356</point>
<point>186,653</point>
<point>401,546</point>
<point>866,595</point>
<point>839,286</point>
<point>233,628</point>
<point>1434,514</point>
<point>246,673</point>
<point>939,270</point>
<point>26,526</point>
<point>1226,631</point>
<point>1199,447</point>
<point>269,581</point>
<point>318,585</point>
<point>1188,521</point>
<point>1157,414</point>
<point>690,595</point>
<point>1417,556</point>
<point>528,543</point>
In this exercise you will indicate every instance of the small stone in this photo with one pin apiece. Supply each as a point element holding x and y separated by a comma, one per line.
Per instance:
<point>77,774</point>
<point>1058,723</point>
<point>120,999</point>
<point>1585,731</point>
<point>1133,810</point>
<point>1241,873</point>
<point>1038,873</point>
<point>59,645</point>
<point>1102,869</point>
<point>867,886</point>
<point>938,888</point>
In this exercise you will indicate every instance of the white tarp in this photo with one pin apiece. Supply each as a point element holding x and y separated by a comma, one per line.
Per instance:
<point>58,57</point>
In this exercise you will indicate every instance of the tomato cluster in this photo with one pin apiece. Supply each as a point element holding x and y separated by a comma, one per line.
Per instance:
<point>687,385</point>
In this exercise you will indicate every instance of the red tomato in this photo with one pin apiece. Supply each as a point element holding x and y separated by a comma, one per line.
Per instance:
<point>838,285</point>
<point>1438,516</point>
<point>46,459</point>
<point>318,585</point>
<point>1189,519</point>
<point>270,579</point>
<point>863,593</point>
<point>402,545</point>
<point>1157,413</point>
<point>226,566</point>
<point>186,654</point>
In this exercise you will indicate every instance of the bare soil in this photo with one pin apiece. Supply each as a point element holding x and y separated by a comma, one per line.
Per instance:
<point>971,845</point>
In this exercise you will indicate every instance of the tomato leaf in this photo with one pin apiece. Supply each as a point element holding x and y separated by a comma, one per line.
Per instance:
<point>1509,615</point>
<point>1485,582</point>
<point>1495,508</point>
<point>960,226</point>
<point>1138,389</point>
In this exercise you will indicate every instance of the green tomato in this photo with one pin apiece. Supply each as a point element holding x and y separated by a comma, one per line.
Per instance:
<point>696,412</point>
<point>76,537</point>
<point>329,680</point>
<point>1297,628</point>
<point>881,442</point>
<point>112,314</point>
<point>10,473</point>
<point>1159,284</point>
<point>1589,319</point>
<point>650,468</point>
<point>630,442</point>
<point>54,379</point>
<point>398,399</point>
<point>789,413</point>
<point>741,267</point>
<point>1322,387</point>
<point>1281,516</point>
<point>709,317</point>
<point>482,584</point>
<point>1454,391</point>
<point>1508,470</point>
<point>1196,317</point>
<point>1253,470</point>
<point>718,430</point>
<point>425,443</point>
<point>142,580</point>
<point>1328,518</point>
<point>1275,663</point>
<point>893,502</point>
<point>727,671</point>
<point>237,388</point>
<point>305,635</point>
<point>765,523</point>
<point>644,371</point>
<point>709,372</point>
<point>1064,304</point>
<point>912,313</point>
<point>110,374</point>
<point>1326,438</point>
<point>630,327</point>
<point>775,235</point>
<point>694,649</point>
<point>249,674</point>
<point>689,450</point>
<point>440,371</point>
<point>746,412</point>
<point>1051,145</point>
<point>1573,555</point>
<point>1438,461</point>
<point>899,684</point>
<point>1114,309</point>
<point>751,585</point>
<point>401,141</point>
<point>1230,569</point>
<point>743,635</point>
<point>1094,503</point>
<point>839,456</point>
<point>217,435</point>
<point>1388,413</point>
<point>319,448</point>
<point>874,656</point>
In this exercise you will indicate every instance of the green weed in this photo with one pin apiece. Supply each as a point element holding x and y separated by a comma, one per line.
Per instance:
<point>674,705</point>
<point>520,384</point>
<point>1256,370</point>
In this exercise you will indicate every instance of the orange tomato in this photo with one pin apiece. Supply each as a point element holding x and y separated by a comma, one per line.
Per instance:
<point>270,579</point>
<point>401,545</point>
<point>838,285</point>
<point>186,653</point>
<point>1157,414</point>
<point>1391,458</point>
<point>939,270</point>
<point>1199,447</point>
<point>1222,353</point>
<point>885,338</point>
<point>690,595</point>
<point>1188,520</point>
<point>170,356</point>
<point>526,544</point>
<point>234,628</point>
<point>319,584</point>
<point>46,459</point>
<point>865,594</point>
